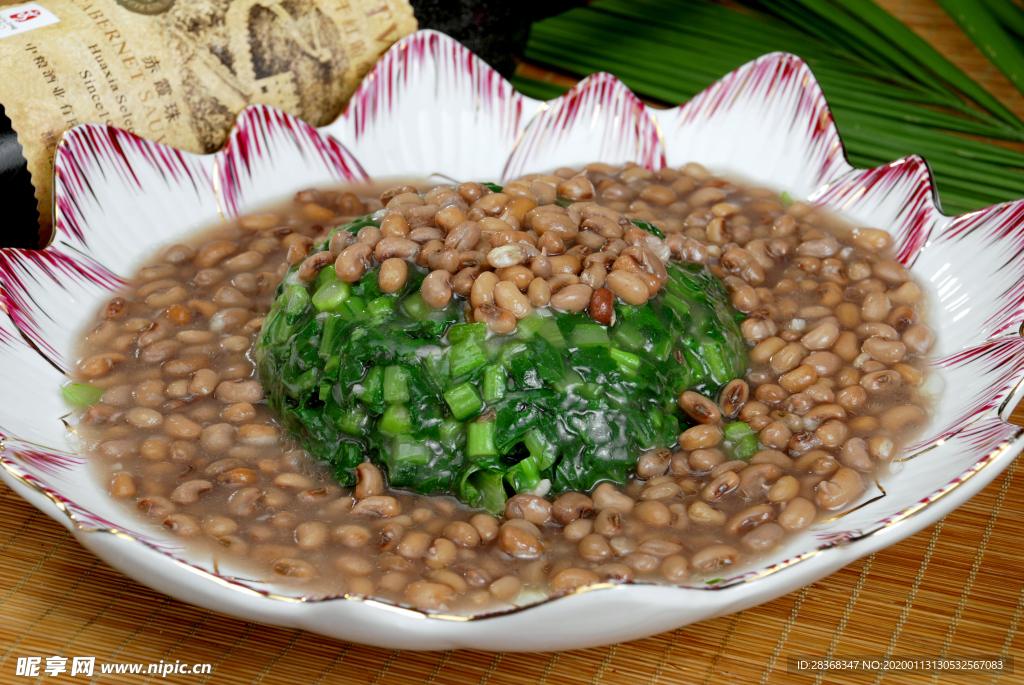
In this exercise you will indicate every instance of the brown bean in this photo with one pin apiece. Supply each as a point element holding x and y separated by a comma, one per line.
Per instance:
<point>822,337</point>
<point>204,382</point>
<point>506,587</point>
<point>628,286</point>
<point>571,506</point>
<point>918,339</point>
<point>776,434</point>
<point>519,543</point>
<point>486,526</point>
<point>748,519</point>
<point>824,363</point>
<point>239,391</point>
<point>296,481</point>
<point>875,307</point>
<point>890,271</point>
<point>881,381</point>
<point>578,529</point>
<point>714,557</point>
<point>704,459</point>
<point>871,239</point>
<point>766,349</point>
<point>787,359</point>
<point>122,486</point>
<point>369,481</point>
<point>354,260</point>
<point>799,378</point>
<point>594,548</point>
<point>539,292</point>
<point>377,505</point>
<point>721,486</point>
<point>854,455</point>
<point>602,306</point>
<point>414,545</point>
<point>700,437</point>
<point>497,319</point>
<point>462,534</point>
<point>188,492</point>
<point>784,489</point>
<point>887,351</point>
<point>101,364</point>
<point>289,567</point>
<point>141,417</point>
<point>702,513</point>
<point>653,463</point>
<point>155,506</point>
<point>659,491</point>
<point>798,514</point>
<point>440,554</point>
<point>544,221</point>
<point>897,418</point>
<point>609,522</point>
<point>393,274</point>
<point>182,525</point>
<point>214,252</point>
<point>699,408</point>
<point>572,298</point>
<point>310,535</point>
<point>351,535</point>
<point>763,537</point>
<point>572,578</point>
<point>437,289</point>
<point>754,479</point>
<point>843,487</point>
<point>757,328</point>
<point>536,510</point>
<point>607,496</point>
<point>508,297</point>
<point>733,397</point>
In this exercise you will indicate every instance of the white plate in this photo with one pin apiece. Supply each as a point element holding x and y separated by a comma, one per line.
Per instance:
<point>430,107</point>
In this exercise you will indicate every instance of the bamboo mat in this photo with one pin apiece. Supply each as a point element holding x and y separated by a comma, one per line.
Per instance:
<point>957,587</point>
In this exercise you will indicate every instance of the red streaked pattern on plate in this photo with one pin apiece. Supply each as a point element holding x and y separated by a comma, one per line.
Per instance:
<point>777,76</point>
<point>260,134</point>
<point>379,93</point>
<point>903,188</point>
<point>88,153</point>
<point>30,277</point>
<point>42,459</point>
<point>982,377</point>
<point>994,236</point>
<point>601,107</point>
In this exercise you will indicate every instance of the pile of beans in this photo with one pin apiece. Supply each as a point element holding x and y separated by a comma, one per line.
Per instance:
<point>506,252</point>
<point>837,357</point>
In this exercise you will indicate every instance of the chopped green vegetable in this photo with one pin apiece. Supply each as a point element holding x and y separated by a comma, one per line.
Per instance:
<point>786,198</point>
<point>80,394</point>
<point>480,439</point>
<point>445,405</point>
<point>396,384</point>
<point>740,439</point>
<point>463,400</point>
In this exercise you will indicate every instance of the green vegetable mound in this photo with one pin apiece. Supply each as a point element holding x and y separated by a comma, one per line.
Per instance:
<point>445,407</point>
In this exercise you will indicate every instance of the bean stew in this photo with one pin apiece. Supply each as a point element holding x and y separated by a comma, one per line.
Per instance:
<point>463,397</point>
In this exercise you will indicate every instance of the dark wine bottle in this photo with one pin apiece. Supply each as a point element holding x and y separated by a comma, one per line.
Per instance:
<point>19,225</point>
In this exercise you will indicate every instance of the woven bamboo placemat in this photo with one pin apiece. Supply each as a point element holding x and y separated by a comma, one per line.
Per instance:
<point>956,587</point>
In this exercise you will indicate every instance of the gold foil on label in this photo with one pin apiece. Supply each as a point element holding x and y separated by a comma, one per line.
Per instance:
<point>179,71</point>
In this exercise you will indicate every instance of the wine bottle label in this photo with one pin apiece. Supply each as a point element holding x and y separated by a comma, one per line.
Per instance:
<point>179,71</point>
<point>25,18</point>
